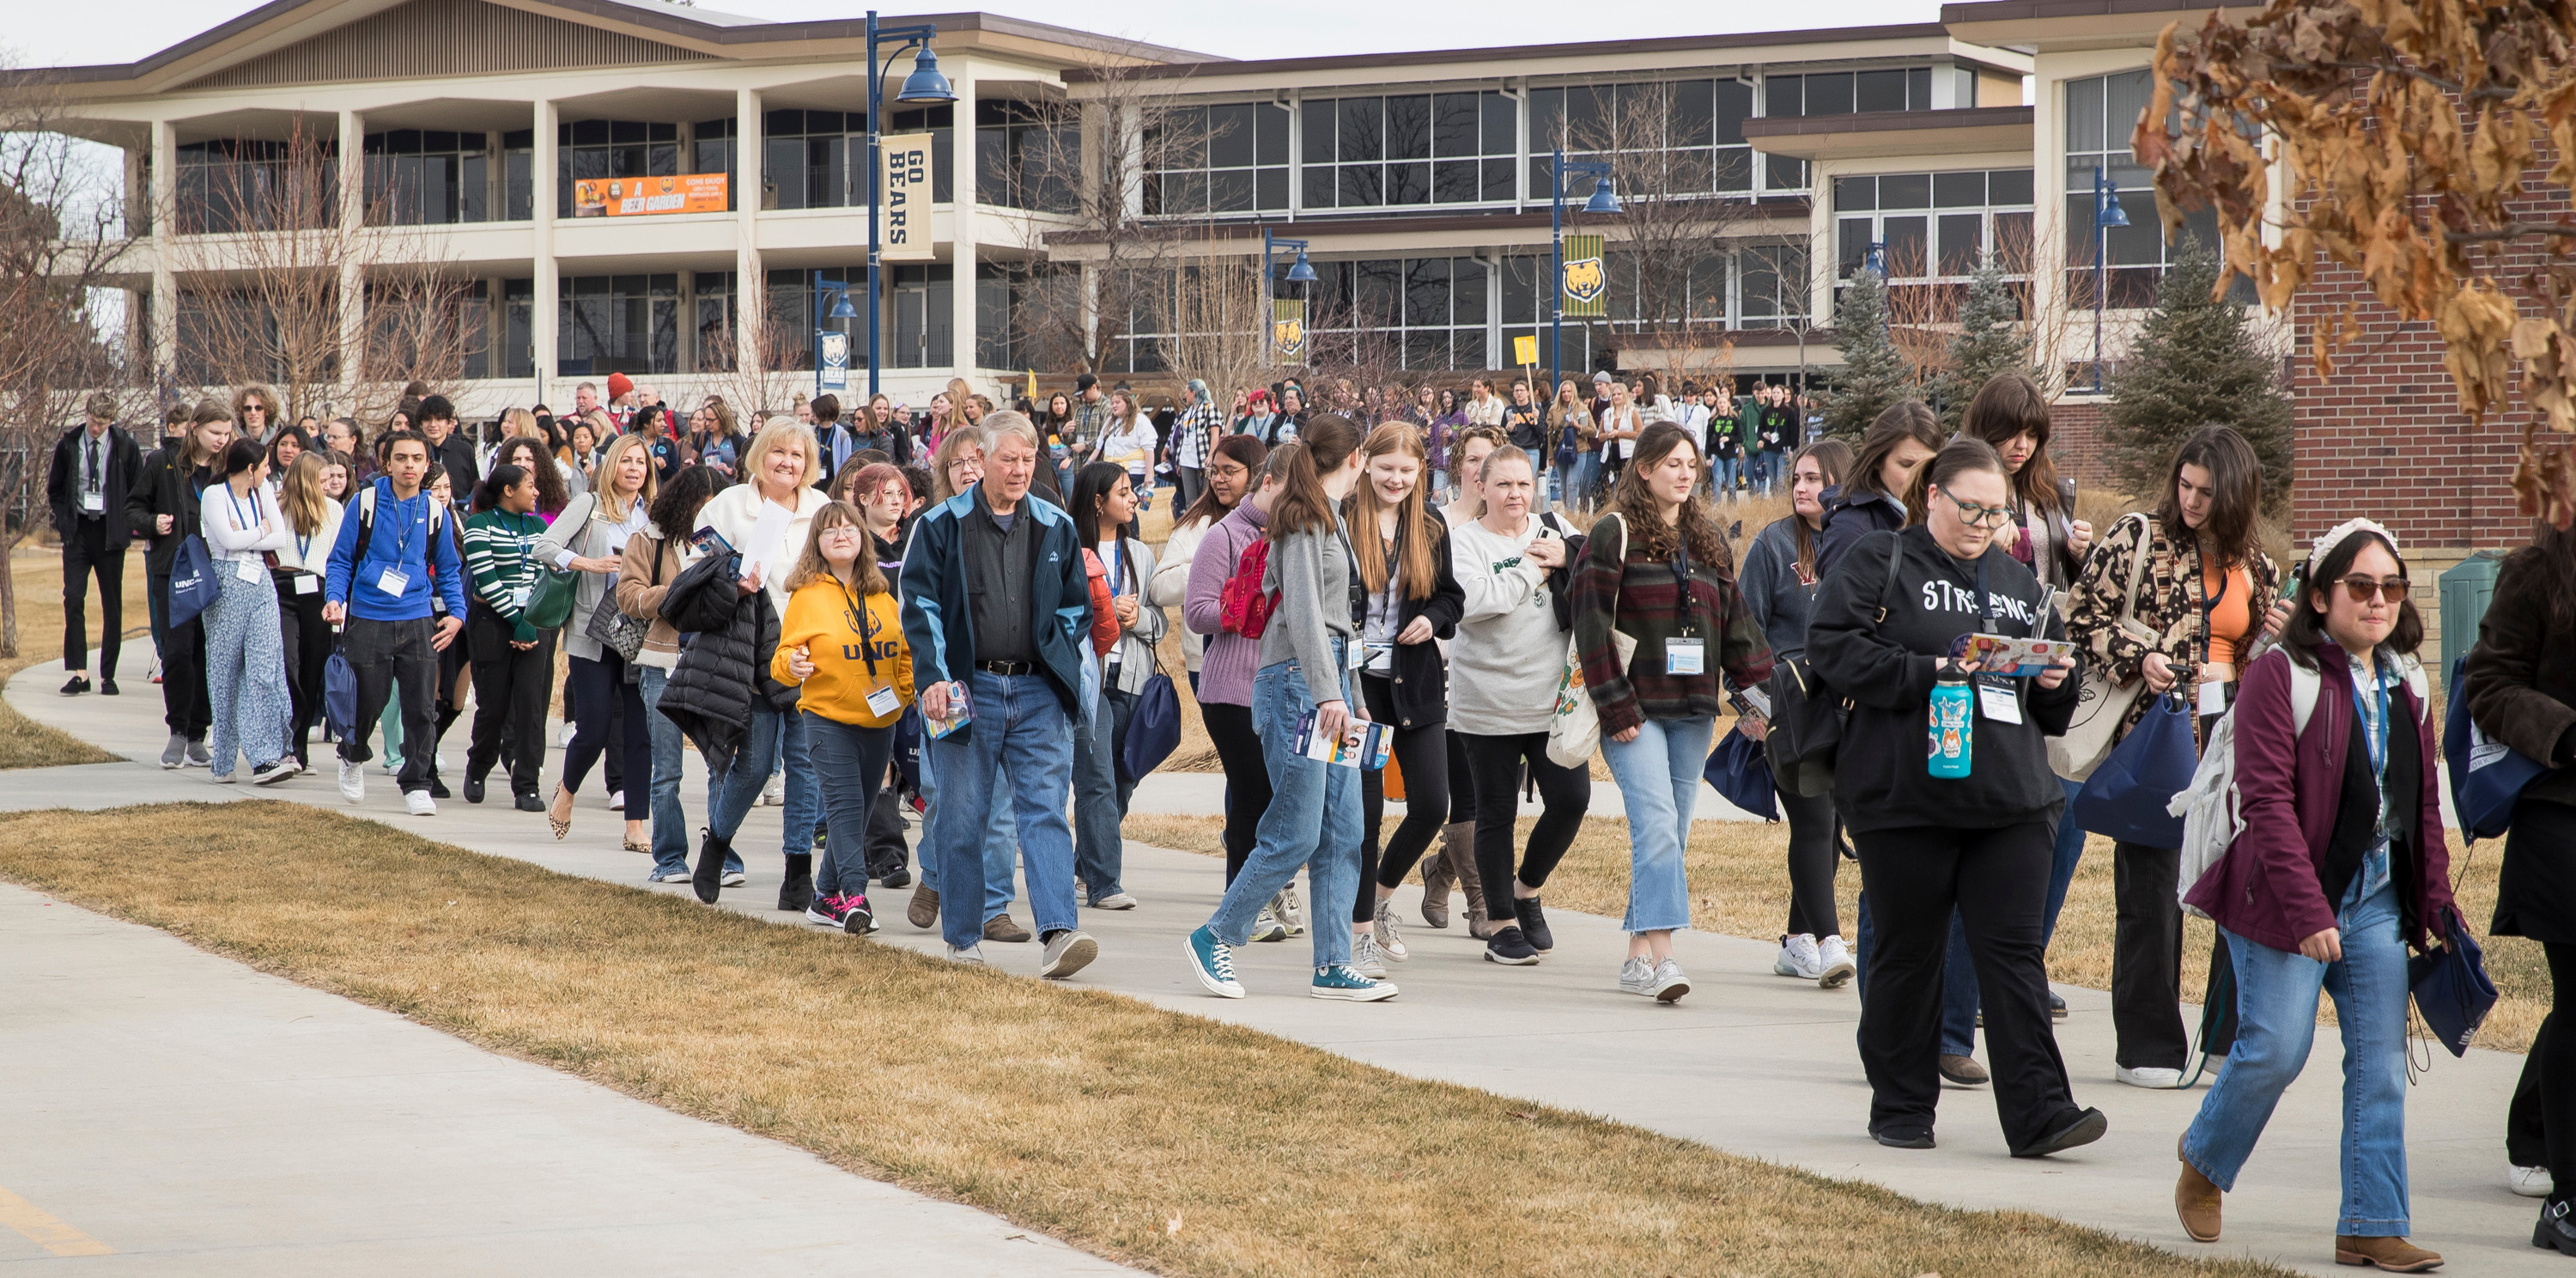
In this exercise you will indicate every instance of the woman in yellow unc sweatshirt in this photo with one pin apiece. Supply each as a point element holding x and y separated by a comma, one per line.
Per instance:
<point>842,642</point>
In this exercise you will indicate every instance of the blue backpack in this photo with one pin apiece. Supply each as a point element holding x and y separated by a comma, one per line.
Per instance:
<point>2487,776</point>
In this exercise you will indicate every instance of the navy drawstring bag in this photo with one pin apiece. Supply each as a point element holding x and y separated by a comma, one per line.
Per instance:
<point>2450,984</point>
<point>2126,796</point>
<point>2487,776</point>
<point>1738,770</point>
<point>1154,726</point>
<point>340,695</point>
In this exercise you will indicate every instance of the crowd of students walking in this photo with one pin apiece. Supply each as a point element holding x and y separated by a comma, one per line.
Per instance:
<point>849,631</point>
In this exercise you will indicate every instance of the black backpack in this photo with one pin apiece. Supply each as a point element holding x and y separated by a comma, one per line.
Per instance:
<point>1806,716</point>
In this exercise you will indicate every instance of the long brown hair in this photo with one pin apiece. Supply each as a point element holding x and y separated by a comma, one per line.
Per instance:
<point>1246,449</point>
<point>551,494</point>
<point>1638,508</point>
<point>2230,533</point>
<point>2552,553</point>
<point>1323,443</point>
<point>811,566</point>
<point>2011,404</point>
<point>1418,545</point>
<point>1833,460</point>
<point>1903,420</point>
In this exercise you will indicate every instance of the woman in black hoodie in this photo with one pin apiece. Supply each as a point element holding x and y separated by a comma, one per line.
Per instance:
<point>1927,844</point>
<point>1872,497</point>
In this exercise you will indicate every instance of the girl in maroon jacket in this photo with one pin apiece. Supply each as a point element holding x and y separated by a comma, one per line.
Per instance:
<point>2341,866</point>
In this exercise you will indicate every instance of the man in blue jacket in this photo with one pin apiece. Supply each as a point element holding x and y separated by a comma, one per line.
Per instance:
<point>394,551</point>
<point>1011,643</point>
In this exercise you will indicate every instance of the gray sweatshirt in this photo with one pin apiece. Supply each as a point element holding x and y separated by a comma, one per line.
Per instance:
<point>1779,601</point>
<point>1312,573</point>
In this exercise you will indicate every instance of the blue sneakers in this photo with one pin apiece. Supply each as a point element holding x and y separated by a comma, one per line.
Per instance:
<point>1340,982</point>
<point>1212,961</point>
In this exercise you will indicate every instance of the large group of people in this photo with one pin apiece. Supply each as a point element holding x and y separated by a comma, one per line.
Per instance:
<point>956,612</point>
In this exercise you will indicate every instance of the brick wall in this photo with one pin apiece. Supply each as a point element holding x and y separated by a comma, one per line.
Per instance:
<point>2075,443</point>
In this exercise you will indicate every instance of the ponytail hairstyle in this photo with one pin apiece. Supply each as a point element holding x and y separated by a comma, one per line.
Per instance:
<point>1323,443</point>
<point>1637,507</point>
<point>1903,420</point>
<point>2010,404</point>
<point>1417,548</point>
<point>504,477</point>
<point>1833,460</point>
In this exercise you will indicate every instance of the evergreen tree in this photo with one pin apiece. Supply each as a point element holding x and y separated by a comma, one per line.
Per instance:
<point>1989,342</point>
<point>2195,363</point>
<point>1874,373</point>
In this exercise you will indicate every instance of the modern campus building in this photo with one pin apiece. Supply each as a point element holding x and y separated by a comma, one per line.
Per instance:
<point>1420,181</point>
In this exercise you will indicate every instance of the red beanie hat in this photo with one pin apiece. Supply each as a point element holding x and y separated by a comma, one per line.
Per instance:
<point>619,384</point>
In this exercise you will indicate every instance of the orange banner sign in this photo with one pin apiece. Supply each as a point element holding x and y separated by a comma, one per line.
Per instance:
<point>631,197</point>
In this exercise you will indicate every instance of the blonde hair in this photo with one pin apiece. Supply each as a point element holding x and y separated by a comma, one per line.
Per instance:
<point>606,484</point>
<point>811,566</point>
<point>951,444</point>
<point>519,423</point>
<point>781,430</point>
<point>300,492</point>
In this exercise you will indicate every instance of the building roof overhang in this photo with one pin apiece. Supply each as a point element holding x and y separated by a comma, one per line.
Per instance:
<point>2075,26</point>
<point>1888,133</point>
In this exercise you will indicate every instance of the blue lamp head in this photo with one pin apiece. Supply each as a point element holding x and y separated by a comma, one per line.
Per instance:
<point>926,84</point>
<point>1603,199</point>
<point>1299,272</point>
<point>841,308</point>
<point>2106,202</point>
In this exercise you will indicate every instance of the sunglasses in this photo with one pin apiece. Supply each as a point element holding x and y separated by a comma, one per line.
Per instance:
<point>1976,516</point>
<point>2391,590</point>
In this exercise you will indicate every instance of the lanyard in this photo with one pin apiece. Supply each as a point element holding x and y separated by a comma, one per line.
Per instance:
<point>1681,566</point>
<point>856,614</point>
<point>1117,566</point>
<point>235,499</point>
<point>2374,730</point>
<point>2209,616</point>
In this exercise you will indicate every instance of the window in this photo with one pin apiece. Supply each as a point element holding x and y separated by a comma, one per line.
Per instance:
<point>518,333</point>
<point>1418,313</point>
<point>518,184</point>
<point>617,323</point>
<point>612,149</point>
<point>250,185</point>
<point>1772,285</point>
<point>1025,156</point>
<point>715,318</point>
<point>808,159</point>
<point>2101,112</point>
<point>793,314</point>
<point>1407,150</point>
<point>1011,301</point>
<point>427,177</point>
<point>1935,226</point>
<point>1226,159</point>
<point>711,149</point>
<point>1698,124</point>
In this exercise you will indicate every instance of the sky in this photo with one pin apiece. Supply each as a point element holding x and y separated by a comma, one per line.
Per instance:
<point>41,34</point>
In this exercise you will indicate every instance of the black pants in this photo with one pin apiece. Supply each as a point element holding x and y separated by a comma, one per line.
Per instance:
<point>2146,958</point>
<point>1997,881</point>
<point>1247,778</point>
<point>448,705</point>
<point>1462,780</point>
<point>1495,763</point>
<point>602,687</point>
<point>887,854</point>
<point>85,554</point>
<point>184,705</point>
<point>385,655</point>
<point>2540,1126</point>
<point>1813,861</point>
<point>308,648</point>
<point>1423,753</point>
<point>511,688</point>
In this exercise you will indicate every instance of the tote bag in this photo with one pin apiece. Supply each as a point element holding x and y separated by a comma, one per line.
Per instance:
<point>2450,984</point>
<point>192,580</point>
<point>1740,773</point>
<point>2128,797</point>
<point>2100,704</point>
<point>2487,776</point>
<point>1154,726</point>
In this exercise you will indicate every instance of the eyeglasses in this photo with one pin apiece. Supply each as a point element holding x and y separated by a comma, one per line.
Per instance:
<point>1976,516</point>
<point>839,531</point>
<point>2390,589</point>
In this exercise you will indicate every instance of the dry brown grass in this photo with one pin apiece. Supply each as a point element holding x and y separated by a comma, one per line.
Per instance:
<point>1740,887</point>
<point>1172,1142</point>
<point>38,572</point>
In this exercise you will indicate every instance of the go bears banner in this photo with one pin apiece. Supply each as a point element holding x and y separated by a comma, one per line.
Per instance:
<point>1587,279</point>
<point>1288,329</point>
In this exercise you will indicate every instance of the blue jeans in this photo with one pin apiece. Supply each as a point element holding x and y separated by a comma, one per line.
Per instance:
<point>1958,982</point>
<point>850,766</point>
<point>1097,852</point>
<point>1658,775</point>
<point>1587,476</point>
<point>1018,729</point>
<point>773,734</point>
<point>2069,853</point>
<point>2276,1008</point>
<point>1313,820</point>
<point>1721,474</point>
<point>1001,846</point>
<point>670,821</point>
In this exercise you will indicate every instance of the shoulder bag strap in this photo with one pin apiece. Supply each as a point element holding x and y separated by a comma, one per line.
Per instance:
<point>1887,589</point>
<point>2137,567</point>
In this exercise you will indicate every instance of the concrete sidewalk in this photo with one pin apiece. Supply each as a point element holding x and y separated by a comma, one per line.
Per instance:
<point>1749,1062</point>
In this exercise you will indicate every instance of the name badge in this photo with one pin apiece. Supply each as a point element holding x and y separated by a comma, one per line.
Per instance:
<point>1685,656</point>
<point>306,583</point>
<point>2213,698</point>
<point>393,582</point>
<point>1998,702</point>
<point>249,569</point>
<point>93,503</point>
<point>881,702</point>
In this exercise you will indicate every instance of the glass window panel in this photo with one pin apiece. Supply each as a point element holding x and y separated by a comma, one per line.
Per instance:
<point>1408,127</point>
<point>2083,116</point>
<point>1230,191</point>
<point>1270,127</point>
<point>2141,242</point>
<point>626,131</point>
<point>1587,116</point>
<point>1319,132</point>
<point>589,132</point>
<point>664,133</point>
<point>1905,191</point>
<point>1502,124</point>
<point>1759,286</point>
<point>2008,186</point>
<point>1498,180</point>
<point>1454,181</point>
<point>1855,194</point>
<point>1381,292</point>
<point>2012,241</point>
<point>1733,103</point>
<point>1360,186</point>
<point>1408,183</point>
<point>1363,130</point>
<point>1918,90</point>
<point>1271,190</point>
<point>1782,174</point>
<point>1880,90</point>
<point>1469,348</point>
<point>1230,136</point>
<point>1733,168</point>
<point>1456,125</point>
<point>1691,121</point>
<point>1542,170</point>
<point>1426,291</point>
<point>1851,242</point>
<point>1520,288</point>
<point>1964,88</point>
<point>1962,242</point>
<point>1830,93</point>
<point>1426,349</point>
<point>1783,95</point>
<point>1319,187</point>
<point>2129,93</point>
<point>1467,291</point>
<point>1906,250</point>
<point>1547,118</point>
<point>1959,190</point>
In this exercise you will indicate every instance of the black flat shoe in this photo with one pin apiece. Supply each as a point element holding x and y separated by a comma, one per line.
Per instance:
<point>1904,1136</point>
<point>2082,1129</point>
<point>75,685</point>
<point>106,686</point>
<point>896,879</point>
<point>2556,1230</point>
<point>473,789</point>
<point>529,803</point>
<point>1533,923</point>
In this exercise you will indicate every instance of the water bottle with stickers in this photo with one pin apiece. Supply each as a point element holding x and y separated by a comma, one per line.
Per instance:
<point>1953,723</point>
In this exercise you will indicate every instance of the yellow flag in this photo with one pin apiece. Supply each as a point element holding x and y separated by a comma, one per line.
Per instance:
<point>1587,277</point>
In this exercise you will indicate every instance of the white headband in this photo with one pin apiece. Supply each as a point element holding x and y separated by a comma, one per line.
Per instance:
<point>2326,544</point>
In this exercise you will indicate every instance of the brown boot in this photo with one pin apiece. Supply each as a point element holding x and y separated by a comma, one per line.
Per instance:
<point>1438,874</point>
<point>2195,1200</point>
<point>1004,928</point>
<point>2396,1255</point>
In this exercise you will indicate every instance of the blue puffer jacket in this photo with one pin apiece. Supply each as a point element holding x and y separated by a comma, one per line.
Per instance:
<point>939,614</point>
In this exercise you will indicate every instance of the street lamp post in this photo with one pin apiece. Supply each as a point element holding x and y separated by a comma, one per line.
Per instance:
<point>1602,201</point>
<point>1299,272</point>
<point>2107,213</point>
<point>841,310</point>
<point>925,84</point>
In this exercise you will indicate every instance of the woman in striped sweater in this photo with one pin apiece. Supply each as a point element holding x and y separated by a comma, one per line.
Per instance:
<point>514,662</point>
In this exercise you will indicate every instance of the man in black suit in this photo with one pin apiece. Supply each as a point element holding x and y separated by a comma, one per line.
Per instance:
<point>94,466</point>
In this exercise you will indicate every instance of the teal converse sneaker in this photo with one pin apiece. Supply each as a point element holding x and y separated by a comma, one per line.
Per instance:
<point>1212,961</point>
<point>1340,982</point>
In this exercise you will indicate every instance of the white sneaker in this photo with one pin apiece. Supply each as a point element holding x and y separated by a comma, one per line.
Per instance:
<point>617,801</point>
<point>2153,1077</point>
<point>971,956</point>
<point>1836,962</point>
<point>1636,976</point>
<point>1797,958</point>
<point>418,803</point>
<point>1669,983</point>
<point>273,773</point>
<point>563,737</point>
<point>2530,1182</point>
<point>1364,956</point>
<point>775,793</point>
<point>733,878</point>
<point>225,779</point>
<point>353,781</point>
<point>1117,901</point>
<point>1291,915</point>
<point>1388,943</point>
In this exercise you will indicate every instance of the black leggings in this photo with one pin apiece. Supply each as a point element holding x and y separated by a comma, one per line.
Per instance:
<point>2548,1082</point>
<point>1462,780</point>
<point>1566,793</point>
<point>1423,753</point>
<point>1813,861</point>
<point>1247,778</point>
